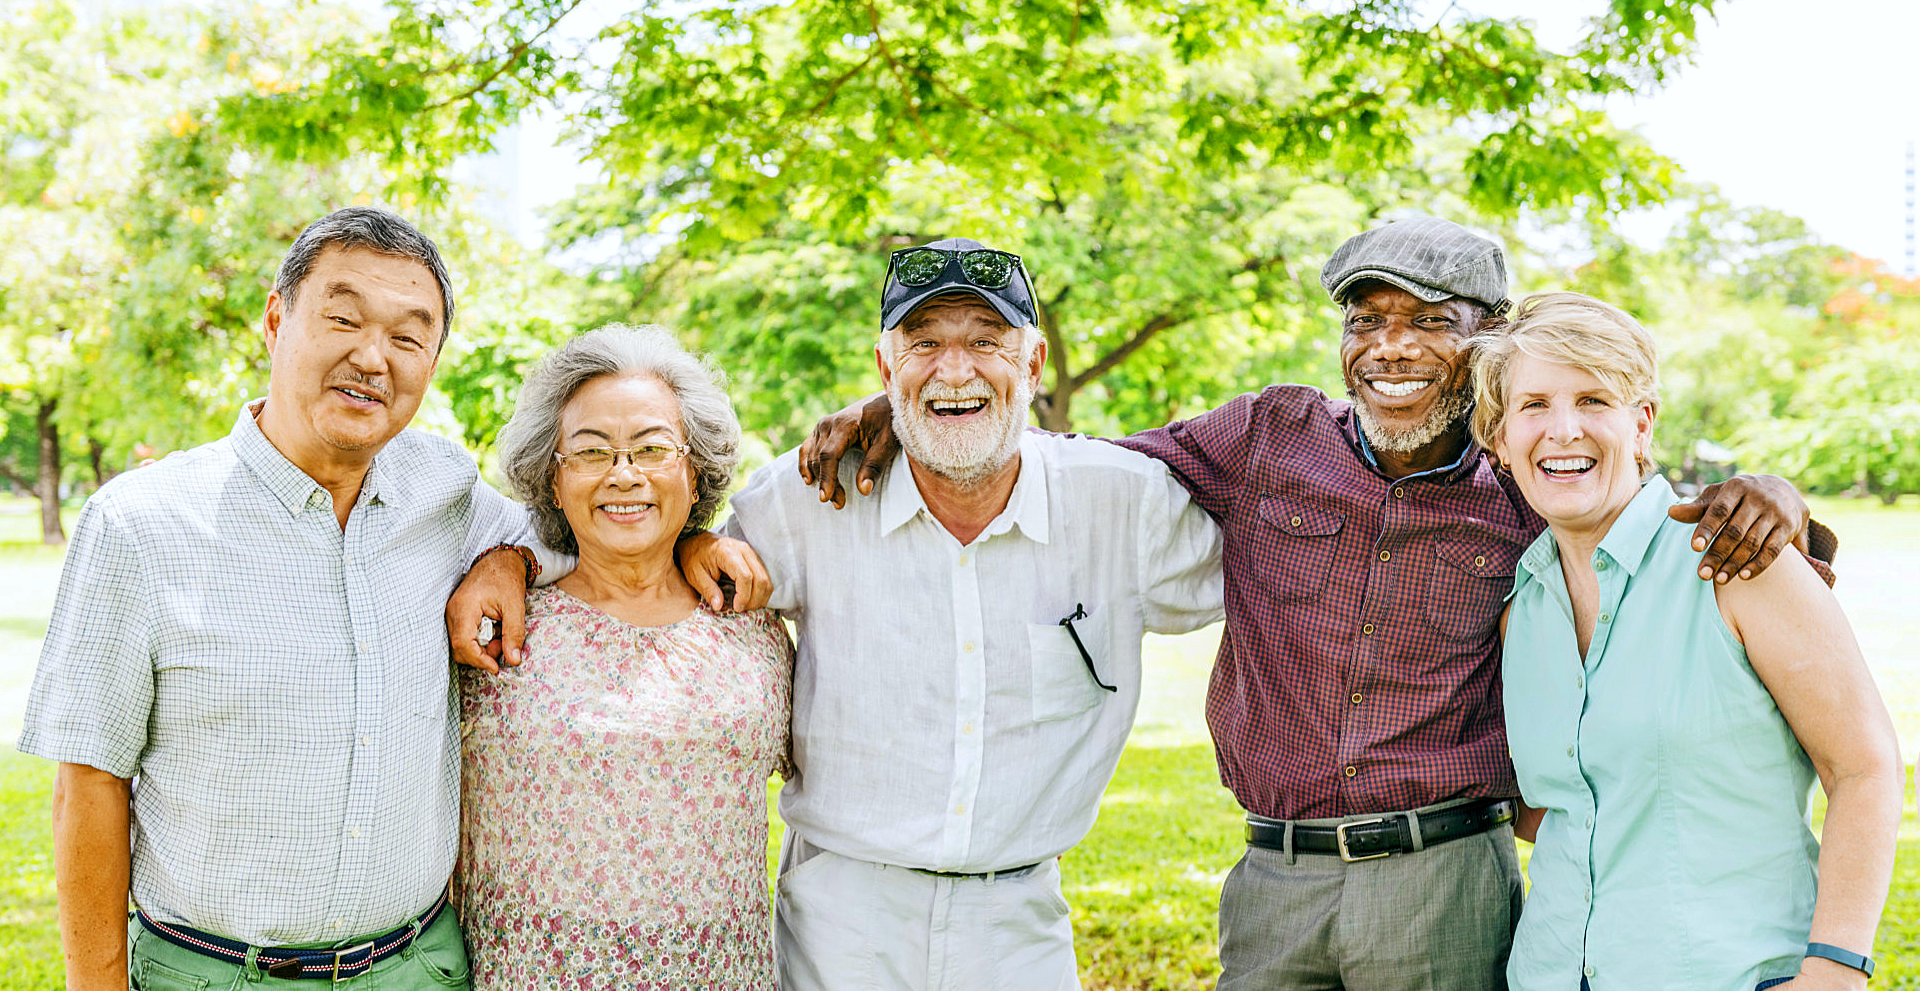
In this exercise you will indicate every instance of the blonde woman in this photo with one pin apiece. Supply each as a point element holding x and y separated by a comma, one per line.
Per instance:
<point>1670,729</point>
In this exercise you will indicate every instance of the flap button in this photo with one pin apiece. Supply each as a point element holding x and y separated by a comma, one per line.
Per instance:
<point>1294,522</point>
<point>1479,562</point>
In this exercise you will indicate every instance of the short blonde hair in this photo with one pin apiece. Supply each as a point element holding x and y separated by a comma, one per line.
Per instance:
<point>1568,328</point>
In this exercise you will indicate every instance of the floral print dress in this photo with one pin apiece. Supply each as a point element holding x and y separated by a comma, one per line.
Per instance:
<point>614,820</point>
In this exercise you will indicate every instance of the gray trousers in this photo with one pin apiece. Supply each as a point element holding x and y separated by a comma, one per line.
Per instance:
<point>1440,919</point>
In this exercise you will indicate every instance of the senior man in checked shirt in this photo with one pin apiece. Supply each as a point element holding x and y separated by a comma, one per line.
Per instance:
<point>246,670</point>
<point>1355,704</point>
<point>969,658</point>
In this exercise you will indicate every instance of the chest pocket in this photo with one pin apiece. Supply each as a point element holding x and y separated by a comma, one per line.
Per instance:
<point>1302,538</point>
<point>1062,685</point>
<point>1471,579</point>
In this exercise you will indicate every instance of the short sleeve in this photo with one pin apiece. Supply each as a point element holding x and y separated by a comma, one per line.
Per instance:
<point>499,520</point>
<point>1179,553</point>
<point>1208,453</point>
<point>92,694</point>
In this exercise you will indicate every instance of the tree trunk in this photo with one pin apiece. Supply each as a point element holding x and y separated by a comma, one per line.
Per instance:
<point>1053,411</point>
<point>96,455</point>
<point>46,487</point>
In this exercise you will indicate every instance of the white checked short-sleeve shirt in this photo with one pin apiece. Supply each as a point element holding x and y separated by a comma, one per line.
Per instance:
<point>277,687</point>
<point>943,719</point>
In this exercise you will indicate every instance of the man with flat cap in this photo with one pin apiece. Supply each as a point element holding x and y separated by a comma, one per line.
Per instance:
<point>969,656</point>
<point>1355,703</point>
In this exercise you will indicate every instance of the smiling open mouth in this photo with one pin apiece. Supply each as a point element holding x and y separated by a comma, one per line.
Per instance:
<point>956,407</point>
<point>1398,389</point>
<point>1567,467</point>
<point>357,395</point>
<point>625,508</point>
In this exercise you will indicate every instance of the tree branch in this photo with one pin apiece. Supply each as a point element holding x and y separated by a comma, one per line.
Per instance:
<point>513,57</point>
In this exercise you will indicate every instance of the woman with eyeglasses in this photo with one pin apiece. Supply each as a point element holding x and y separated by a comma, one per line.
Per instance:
<point>614,783</point>
<point>1670,728</point>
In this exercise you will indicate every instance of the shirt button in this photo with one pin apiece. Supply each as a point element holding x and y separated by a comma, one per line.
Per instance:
<point>1600,565</point>
<point>1400,493</point>
<point>366,741</point>
<point>1579,681</point>
<point>338,923</point>
<point>965,560</point>
<point>1589,822</point>
<point>1479,562</point>
<point>1606,617</point>
<point>1385,555</point>
<point>1569,751</point>
<point>1589,970</point>
<point>354,832</point>
<point>1356,698</point>
<point>1367,629</point>
<point>959,810</point>
<point>360,645</point>
<point>1351,770</point>
<point>967,729</point>
<point>1294,522</point>
<point>968,646</point>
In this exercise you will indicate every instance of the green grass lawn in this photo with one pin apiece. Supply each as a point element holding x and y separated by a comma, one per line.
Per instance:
<point>1144,885</point>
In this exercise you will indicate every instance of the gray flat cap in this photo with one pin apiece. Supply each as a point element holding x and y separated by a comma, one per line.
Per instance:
<point>1428,257</point>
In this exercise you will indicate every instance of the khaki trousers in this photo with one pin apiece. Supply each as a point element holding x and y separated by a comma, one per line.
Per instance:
<point>1440,919</point>
<point>848,925</point>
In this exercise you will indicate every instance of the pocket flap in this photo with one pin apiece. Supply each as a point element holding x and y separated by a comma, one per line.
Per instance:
<point>1300,518</point>
<point>1481,560</point>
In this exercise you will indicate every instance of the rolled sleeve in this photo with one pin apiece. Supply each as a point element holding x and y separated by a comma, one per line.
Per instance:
<point>93,691</point>
<point>758,515</point>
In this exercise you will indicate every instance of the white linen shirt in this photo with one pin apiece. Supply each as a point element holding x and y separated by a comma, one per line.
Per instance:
<point>942,717</point>
<point>278,687</point>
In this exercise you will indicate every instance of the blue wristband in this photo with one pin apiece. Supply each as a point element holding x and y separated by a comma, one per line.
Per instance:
<point>1845,958</point>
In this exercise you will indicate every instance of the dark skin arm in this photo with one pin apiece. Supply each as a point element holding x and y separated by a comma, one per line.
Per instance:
<point>1743,523</point>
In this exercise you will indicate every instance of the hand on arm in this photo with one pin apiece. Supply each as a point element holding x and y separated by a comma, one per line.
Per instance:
<point>92,866</point>
<point>1803,650</point>
<point>495,589</point>
<point>866,424</point>
<point>706,558</point>
<point>1744,524</point>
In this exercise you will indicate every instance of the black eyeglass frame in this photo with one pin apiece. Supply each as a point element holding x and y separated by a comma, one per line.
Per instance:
<point>954,257</point>
<point>1080,612</point>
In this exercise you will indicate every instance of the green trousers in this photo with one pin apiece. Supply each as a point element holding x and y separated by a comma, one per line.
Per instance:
<point>435,962</point>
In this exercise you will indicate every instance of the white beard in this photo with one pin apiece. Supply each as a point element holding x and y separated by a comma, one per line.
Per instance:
<point>966,453</point>
<point>1449,410</point>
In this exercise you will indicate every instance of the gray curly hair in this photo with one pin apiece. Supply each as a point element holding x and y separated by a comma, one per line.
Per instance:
<point>528,442</point>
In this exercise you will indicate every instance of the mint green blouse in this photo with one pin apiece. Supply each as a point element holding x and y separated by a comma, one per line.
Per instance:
<point>1676,851</point>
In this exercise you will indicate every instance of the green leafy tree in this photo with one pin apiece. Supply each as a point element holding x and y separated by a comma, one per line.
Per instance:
<point>1174,172</point>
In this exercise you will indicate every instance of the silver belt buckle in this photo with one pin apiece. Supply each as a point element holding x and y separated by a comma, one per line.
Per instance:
<point>367,945</point>
<point>1340,839</point>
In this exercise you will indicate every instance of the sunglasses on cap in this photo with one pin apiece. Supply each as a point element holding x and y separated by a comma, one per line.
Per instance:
<point>987,268</point>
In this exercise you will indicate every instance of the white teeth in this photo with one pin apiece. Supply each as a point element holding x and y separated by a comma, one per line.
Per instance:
<point>634,508</point>
<point>1567,464</point>
<point>957,403</point>
<point>358,395</point>
<point>1400,388</point>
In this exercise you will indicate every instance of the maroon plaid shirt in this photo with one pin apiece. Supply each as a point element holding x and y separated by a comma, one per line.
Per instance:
<point>1360,670</point>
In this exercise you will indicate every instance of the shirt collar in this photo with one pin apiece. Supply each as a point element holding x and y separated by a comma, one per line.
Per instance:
<point>1627,542</point>
<point>294,488</point>
<point>900,498</point>
<point>1467,455</point>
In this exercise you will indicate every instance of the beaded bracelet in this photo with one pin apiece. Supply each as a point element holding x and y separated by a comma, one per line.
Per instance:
<point>533,563</point>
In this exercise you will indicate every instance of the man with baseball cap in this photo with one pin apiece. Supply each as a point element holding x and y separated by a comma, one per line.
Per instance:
<point>969,657</point>
<point>1355,703</point>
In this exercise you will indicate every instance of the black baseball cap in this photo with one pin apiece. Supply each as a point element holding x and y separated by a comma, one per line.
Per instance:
<point>1014,301</point>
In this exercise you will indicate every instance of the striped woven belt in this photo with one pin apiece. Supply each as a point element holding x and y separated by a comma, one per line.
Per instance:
<point>286,963</point>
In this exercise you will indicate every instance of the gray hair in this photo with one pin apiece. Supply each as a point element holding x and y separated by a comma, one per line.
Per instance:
<point>374,230</point>
<point>529,440</point>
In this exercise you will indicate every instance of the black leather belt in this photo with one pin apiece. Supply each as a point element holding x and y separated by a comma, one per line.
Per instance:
<point>1383,836</point>
<point>983,875</point>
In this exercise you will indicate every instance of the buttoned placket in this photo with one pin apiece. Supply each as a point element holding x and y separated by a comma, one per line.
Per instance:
<point>969,697</point>
<point>1612,586</point>
<point>355,545</point>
